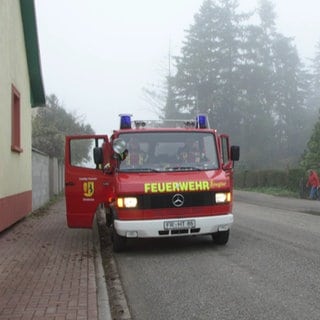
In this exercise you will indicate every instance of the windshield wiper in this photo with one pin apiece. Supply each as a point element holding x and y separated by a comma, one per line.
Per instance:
<point>139,170</point>
<point>183,168</point>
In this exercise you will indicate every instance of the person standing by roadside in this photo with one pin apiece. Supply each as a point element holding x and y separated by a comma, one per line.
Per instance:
<point>314,183</point>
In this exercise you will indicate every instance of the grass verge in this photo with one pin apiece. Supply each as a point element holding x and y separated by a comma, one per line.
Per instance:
<point>274,191</point>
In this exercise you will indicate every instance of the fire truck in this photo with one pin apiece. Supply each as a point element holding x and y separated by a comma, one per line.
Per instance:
<point>155,179</point>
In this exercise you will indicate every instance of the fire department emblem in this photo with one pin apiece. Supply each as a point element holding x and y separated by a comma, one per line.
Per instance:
<point>88,189</point>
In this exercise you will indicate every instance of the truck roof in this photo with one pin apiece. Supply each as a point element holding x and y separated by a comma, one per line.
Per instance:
<point>126,123</point>
<point>140,130</point>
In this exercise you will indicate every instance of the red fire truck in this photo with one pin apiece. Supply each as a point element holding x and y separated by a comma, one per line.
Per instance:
<point>153,180</point>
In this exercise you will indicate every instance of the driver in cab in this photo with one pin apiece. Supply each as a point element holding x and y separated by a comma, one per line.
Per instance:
<point>135,156</point>
<point>190,152</point>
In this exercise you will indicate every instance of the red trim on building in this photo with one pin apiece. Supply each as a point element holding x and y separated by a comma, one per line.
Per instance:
<point>14,208</point>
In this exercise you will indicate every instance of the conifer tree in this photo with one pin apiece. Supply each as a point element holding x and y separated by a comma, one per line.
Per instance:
<point>311,156</point>
<point>206,79</point>
<point>250,81</point>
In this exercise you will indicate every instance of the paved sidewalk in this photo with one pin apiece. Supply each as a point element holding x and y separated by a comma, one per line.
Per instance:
<point>48,271</point>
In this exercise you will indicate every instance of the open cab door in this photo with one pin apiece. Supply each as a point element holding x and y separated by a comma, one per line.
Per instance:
<point>86,184</point>
<point>229,153</point>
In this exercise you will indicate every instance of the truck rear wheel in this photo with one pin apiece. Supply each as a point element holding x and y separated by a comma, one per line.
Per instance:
<point>119,242</point>
<point>221,237</point>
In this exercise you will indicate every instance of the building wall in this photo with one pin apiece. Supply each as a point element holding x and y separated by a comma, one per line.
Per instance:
<point>15,168</point>
<point>40,179</point>
<point>47,178</point>
<point>56,174</point>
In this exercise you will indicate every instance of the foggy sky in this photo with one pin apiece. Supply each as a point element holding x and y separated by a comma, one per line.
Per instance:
<point>97,55</point>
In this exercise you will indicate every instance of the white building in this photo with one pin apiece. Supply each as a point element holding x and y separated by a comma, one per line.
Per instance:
<point>21,88</point>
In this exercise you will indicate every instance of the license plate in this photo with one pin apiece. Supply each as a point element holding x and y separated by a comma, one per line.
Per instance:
<point>179,224</point>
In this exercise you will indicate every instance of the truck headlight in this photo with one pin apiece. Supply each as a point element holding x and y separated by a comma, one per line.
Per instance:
<point>223,197</point>
<point>127,202</point>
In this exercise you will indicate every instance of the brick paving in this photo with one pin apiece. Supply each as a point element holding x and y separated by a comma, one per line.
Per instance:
<point>47,270</point>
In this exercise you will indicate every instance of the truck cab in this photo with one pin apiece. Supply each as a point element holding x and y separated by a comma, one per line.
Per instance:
<point>159,179</point>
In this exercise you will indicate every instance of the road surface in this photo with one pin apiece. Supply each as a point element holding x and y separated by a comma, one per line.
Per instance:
<point>270,269</point>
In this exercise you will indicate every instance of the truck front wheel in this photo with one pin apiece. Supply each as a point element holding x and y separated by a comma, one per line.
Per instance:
<point>221,237</point>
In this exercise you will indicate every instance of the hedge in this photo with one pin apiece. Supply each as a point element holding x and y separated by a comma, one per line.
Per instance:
<point>291,179</point>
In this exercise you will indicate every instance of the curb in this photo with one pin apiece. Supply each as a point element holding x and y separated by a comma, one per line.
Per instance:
<point>103,304</point>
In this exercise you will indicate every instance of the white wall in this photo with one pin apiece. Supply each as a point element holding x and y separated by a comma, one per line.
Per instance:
<point>47,178</point>
<point>15,168</point>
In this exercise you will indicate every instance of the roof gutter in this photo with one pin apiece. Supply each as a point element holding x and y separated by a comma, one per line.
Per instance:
<point>32,51</point>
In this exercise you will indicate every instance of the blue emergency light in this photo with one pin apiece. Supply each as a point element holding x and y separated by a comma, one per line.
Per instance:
<point>125,121</point>
<point>201,121</point>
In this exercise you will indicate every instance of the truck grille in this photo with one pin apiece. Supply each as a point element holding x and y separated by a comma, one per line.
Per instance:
<point>179,231</point>
<point>191,199</point>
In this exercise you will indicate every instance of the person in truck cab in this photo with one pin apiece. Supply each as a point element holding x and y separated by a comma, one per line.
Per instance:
<point>135,156</point>
<point>190,152</point>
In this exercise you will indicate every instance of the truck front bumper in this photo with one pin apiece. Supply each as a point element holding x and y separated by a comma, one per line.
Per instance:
<point>173,227</point>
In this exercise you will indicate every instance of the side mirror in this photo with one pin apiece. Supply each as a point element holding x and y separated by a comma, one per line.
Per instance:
<point>235,153</point>
<point>119,147</point>
<point>98,156</point>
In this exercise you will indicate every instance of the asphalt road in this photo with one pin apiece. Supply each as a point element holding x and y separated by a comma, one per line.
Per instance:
<point>270,268</point>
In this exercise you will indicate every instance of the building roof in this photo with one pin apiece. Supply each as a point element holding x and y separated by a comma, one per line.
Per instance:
<point>33,54</point>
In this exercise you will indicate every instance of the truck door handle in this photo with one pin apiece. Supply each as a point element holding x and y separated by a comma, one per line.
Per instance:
<point>69,183</point>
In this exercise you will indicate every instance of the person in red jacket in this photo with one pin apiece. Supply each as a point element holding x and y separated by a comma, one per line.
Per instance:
<point>313,181</point>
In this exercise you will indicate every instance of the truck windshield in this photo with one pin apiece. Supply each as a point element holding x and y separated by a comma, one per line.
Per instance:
<point>169,151</point>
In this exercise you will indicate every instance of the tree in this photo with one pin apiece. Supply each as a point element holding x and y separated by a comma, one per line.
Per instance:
<point>256,87</point>
<point>311,156</point>
<point>314,94</point>
<point>226,71</point>
<point>208,70</point>
<point>248,78</point>
<point>290,110</point>
<point>51,124</point>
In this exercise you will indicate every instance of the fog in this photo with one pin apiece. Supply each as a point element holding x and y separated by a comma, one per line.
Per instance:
<point>97,56</point>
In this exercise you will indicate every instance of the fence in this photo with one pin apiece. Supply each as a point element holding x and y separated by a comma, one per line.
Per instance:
<point>47,178</point>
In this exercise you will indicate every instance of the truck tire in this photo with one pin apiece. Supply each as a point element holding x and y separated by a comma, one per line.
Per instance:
<point>119,242</point>
<point>221,237</point>
<point>108,219</point>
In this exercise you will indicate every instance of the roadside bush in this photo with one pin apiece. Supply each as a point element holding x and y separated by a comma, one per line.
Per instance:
<point>291,179</point>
